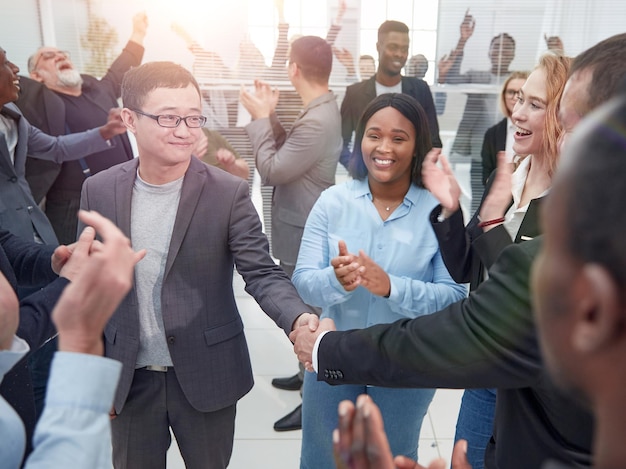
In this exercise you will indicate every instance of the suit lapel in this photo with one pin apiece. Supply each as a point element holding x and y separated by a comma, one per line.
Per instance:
<point>123,195</point>
<point>193,186</point>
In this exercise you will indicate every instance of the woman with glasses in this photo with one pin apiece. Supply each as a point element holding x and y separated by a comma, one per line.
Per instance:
<point>507,213</point>
<point>500,136</point>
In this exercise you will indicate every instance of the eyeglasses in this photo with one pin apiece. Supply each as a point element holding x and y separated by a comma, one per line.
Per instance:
<point>171,121</point>
<point>51,54</point>
<point>511,93</point>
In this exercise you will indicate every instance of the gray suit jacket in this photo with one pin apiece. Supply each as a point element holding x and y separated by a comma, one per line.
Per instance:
<point>216,227</point>
<point>299,164</point>
<point>18,211</point>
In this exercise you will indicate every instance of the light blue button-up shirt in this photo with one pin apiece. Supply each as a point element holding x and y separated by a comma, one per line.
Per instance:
<point>74,429</point>
<point>404,246</point>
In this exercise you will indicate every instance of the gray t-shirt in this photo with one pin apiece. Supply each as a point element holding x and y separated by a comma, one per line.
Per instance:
<point>153,212</point>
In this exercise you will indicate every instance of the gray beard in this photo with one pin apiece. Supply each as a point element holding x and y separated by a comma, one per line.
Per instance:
<point>70,78</point>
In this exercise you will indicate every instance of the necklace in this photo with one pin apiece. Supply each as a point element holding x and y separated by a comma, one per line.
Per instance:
<point>387,207</point>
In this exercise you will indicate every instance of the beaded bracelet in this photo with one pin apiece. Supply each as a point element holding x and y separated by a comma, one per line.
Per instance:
<point>495,221</point>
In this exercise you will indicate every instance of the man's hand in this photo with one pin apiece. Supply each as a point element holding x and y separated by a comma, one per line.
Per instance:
<point>304,338</point>
<point>345,58</point>
<point>140,27</point>
<point>441,182</point>
<point>499,198</point>
<point>9,313</point>
<point>360,441</point>
<point>75,255</point>
<point>262,102</point>
<point>114,126</point>
<point>103,281</point>
<point>467,26</point>
<point>347,268</point>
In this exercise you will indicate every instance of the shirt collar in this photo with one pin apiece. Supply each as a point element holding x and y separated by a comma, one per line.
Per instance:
<point>362,189</point>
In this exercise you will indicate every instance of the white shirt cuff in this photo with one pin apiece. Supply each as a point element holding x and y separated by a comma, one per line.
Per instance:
<point>315,347</point>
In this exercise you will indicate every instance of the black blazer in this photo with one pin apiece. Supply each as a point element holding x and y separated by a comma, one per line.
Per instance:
<point>359,95</point>
<point>468,250</point>
<point>488,340</point>
<point>494,141</point>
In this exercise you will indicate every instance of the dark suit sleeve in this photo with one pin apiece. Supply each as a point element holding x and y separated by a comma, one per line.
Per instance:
<point>486,340</point>
<point>130,57</point>
<point>488,153</point>
<point>36,325</point>
<point>30,262</point>
<point>265,280</point>
<point>426,100</point>
<point>349,121</point>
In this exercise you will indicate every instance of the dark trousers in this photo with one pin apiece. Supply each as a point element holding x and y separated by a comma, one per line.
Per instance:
<point>156,403</point>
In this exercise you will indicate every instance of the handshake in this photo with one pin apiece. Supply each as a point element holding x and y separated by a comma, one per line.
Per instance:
<point>305,335</point>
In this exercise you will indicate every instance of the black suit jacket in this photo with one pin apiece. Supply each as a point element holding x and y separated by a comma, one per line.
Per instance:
<point>467,250</point>
<point>488,340</point>
<point>494,141</point>
<point>359,95</point>
<point>27,264</point>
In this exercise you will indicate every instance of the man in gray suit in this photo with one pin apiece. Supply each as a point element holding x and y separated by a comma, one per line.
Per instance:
<point>178,333</point>
<point>299,164</point>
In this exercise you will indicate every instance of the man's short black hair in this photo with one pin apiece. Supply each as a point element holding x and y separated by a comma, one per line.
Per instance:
<point>391,26</point>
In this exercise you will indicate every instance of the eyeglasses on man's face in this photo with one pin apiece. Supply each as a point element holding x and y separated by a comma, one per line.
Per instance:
<point>171,121</point>
<point>51,54</point>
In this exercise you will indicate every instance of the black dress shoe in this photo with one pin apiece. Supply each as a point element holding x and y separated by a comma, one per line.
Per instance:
<point>291,421</point>
<point>292,383</point>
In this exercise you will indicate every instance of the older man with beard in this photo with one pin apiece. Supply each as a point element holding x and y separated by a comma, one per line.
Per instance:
<point>64,101</point>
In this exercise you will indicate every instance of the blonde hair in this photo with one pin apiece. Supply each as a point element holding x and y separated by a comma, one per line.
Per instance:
<point>556,67</point>
<point>513,76</point>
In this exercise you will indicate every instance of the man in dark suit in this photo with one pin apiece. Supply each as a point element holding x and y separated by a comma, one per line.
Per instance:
<point>19,214</point>
<point>59,100</point>
<point>490,338</point>
<point>393,51</point>
<point>178,333</point>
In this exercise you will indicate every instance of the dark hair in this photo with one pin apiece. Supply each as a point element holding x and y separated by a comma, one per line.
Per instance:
<point>608,58</point>
<point>391,26</point>
<point>139,81</point>
<point>314,57</point>
<point>595,219</point>
<point>413,111</point>
<point>502,36</point>
<point>417,66</point>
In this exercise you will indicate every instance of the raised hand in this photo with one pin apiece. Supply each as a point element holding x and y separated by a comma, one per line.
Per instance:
<point>90,299</point>
<point>140,27</point>
<point>441,182</point>
<point>262,102</point>
<point>499,197</point>
<point>360,441</point>
<point>347,269</point>
<point>467,26</point>
<point>304,338</point>
<point>114,125</point>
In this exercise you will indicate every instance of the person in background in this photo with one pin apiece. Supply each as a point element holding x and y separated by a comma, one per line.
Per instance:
<point>215,150</point>
<point>554,43</point>
<point>500,137</point>
<point>298,164</point>
<point>481,110</point>
<point>367,66</point>
<point>59,100</point>
<point>381,216</point>
<point>393,51</point>
<point>417,66</point>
